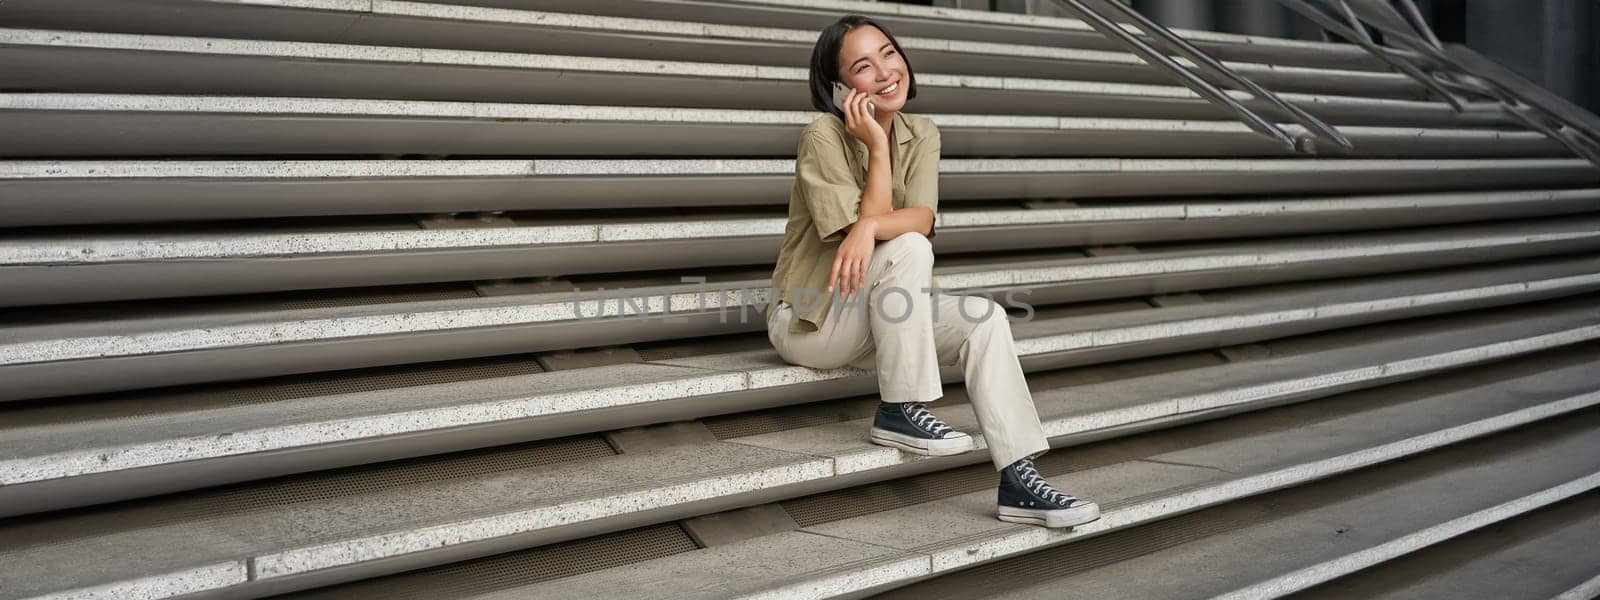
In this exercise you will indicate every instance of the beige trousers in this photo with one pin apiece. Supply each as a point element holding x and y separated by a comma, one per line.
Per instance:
<point>905,332</point>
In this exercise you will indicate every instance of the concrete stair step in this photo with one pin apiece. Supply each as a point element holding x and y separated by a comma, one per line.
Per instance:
<point>928,21</point>
<point>855,556</point>
<point>62,125</point>
<point>1276,544</point>
<point>252,551</point>
<point>48,357</point>
<point>1547,553</point>
<point>1452,360</point>
<point>668,36</point>
<point>87,191</point>
<point>60,268</point>
<point>74,455</point>
<point>151,64</point>
<point>454,27</point>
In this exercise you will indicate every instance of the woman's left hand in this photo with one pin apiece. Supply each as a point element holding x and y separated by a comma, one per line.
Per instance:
<point>851,260</point>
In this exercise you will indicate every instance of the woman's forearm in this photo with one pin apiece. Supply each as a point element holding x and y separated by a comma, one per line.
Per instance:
<point>890,225</point>
<point>875,198</point>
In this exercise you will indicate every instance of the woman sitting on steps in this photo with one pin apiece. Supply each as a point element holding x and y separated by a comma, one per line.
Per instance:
<point>865,175</point>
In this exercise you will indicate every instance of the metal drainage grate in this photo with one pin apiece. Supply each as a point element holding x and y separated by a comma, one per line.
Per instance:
<point>790,417</point>
<point>703,346</point>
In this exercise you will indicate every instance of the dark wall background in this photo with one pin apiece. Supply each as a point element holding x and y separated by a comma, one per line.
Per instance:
<point>1551,42</point>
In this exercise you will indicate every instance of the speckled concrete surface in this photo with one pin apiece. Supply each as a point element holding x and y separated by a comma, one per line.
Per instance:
<point>233,330</point>
<point>174,558</point>
<point>436,56</point>
<point>1156,132</point>
<point>308,536</point>
<point>139,338</point>
<point>1099,406</point>
<point>83,447</point>
<point>1393,520</point>
<point>765,369</point>
<point>153,587</point>
<point>1041,21</point>
<point>80,448</point>
<point>564,21</point>
<point>1197,477</point>
<point>659,480</point>
<point>300,169</point>
<point>264,169</point>
<point>961,531</point>
<point>292,538</point>
<point>69,249</point>
<point>1221,313</point>
<point>786,565</point>
<point>163,562</point>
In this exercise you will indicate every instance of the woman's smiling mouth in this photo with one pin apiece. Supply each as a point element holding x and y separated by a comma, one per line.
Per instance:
<point>889,91</point>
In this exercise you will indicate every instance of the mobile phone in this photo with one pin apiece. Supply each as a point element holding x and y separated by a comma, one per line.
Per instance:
<point>842,91</point>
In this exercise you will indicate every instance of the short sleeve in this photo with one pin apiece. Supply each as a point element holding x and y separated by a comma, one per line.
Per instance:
<point>823,177</point>
<point>922,178</point>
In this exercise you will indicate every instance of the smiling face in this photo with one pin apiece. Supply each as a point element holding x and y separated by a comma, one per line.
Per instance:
<point>869,63</point>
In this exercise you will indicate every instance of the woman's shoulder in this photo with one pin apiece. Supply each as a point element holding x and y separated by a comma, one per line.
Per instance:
<point>920,125</point>
<point>824,134</point>
<point>827,125</point>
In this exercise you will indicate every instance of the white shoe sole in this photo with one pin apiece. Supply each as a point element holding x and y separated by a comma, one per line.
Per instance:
<point>915,445</point>
<point>1060,517</point>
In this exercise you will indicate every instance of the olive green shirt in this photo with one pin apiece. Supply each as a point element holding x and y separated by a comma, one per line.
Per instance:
<point>830,172</point>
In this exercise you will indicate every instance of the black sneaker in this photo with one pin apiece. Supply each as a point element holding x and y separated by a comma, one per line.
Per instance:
<point>1025,497</point>
<point>911,427</point>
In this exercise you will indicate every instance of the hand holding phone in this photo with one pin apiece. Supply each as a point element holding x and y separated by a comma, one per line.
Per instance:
<point>842,91</point>
<point>867,130</point>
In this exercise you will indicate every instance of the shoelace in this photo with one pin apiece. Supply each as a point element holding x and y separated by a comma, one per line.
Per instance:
<point>1037,484</point>
<point>920,416</point>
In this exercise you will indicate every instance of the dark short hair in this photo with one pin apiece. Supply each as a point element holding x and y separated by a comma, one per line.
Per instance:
<point>825,62</point>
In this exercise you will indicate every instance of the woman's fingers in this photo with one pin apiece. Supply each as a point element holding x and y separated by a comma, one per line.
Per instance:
<point>858,273</point>
<point>844,279</point>
<point>848,276</point>
<point>853,118</point>
<point>855,107</point>
<point>866,264</point>
<point>832,276</point>
<point>855,267</point>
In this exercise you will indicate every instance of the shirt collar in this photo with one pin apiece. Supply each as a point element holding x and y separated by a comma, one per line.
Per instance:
<point>902,136</point>
<point>902,132</point>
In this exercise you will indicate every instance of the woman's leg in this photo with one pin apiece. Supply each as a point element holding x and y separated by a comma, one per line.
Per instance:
<point>972,331</point>
<point>834,345</point>
<point>901,319</point>
<point>886,326</point>
<point>846,336</point>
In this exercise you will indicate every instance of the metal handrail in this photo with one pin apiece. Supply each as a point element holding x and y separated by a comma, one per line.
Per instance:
<point>1357,34</point>
<point>1413,33</point>
<point>1415,17</point>
<point>1170,42</point>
